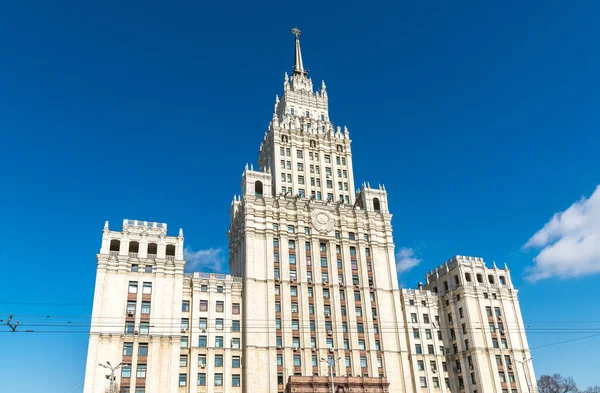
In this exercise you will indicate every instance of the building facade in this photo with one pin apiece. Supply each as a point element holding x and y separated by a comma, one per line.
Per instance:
<point>313,288</point>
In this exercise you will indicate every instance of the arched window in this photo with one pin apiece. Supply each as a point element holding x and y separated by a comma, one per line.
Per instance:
<point>376,204</point>
<point>134,247</point>
<point>170,250</point>
<point>258,188</point>
<point>152,248</point>
<point>491,279</point>
<point>115,245</point>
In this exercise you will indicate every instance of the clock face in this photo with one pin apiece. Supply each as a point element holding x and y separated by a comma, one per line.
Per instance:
<point>322,221</point>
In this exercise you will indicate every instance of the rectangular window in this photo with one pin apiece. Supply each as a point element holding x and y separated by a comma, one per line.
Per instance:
<point>425,318</point>
<point>185,323</point>
<point>126,371</point>
<point>144,328</point>
<point>147,288</point>
<point>185,306</point>
<point>219,379</point>
<point>127,349</point>
<point>143,349</point>
<point>133,287</point>
<point>131,306</point>
<point>219,324</point>
<point>202,341</point>
<point>413,317</point>
<point>202,379</point>
<point>202,360</point>
<point>184,342</point>
<point>418,350</point>
<point>295,324</point>
<point>183,360</point>
<point>203,305</point>
<point>203,324</point>
<point>363,361</point>
<point>235,343</point>
<point>218,360</point>
<point>235,326</point>
<point>235,308</point>
<point>219,342</point>
<point>141,371</point>
<point>297,361</point>
<point>235,380</point>
<point>220,306</point>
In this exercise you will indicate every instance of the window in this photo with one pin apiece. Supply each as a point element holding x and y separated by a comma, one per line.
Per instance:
<point>235,326</point>
<point>294,307</point>
<point>134,267</point>
<point>361,344</point>
<point>144,328</point>
<point>423,382</point>
<point>219,324</point>
<point>495,342</point>
<point>460,312</point>
<point>235,380</point>
<point>428,334</point>
<point>218,360</point>
<point>295,324</point>
<point>413,317</point>
<point>129,327</point>
<point>279,359</point>
<point>183,360</point>
<point>185,306</point>
<point>415,333</point>
<point>504,343</point>
<point>291,229</point>
<point>202,341</point>
<point>297,361</point>
<point>131,307</point>
<point>127,349</point>
<point>418,350</point>
<point>202,379</point>
<point>358,312</point>
<point>143,349</point>
<point>235,343</point>
<point>507,360</point>
<point>141,371</point>
<point>502,376</point>
<point>219,379</point>
<point>185,323</point>
<point>363,361</point>
<point>498,360</point>
<point>511,377</point>
<point>133,287</point>
<point>204,288</point>
<point>351,236</point>
<point>220,306</point>
<point>147,288</point>
<point>126,371</point>
<point>219,289</point>
<point>203,305</point>
<point>430,349</point>
<point>219,342</point>
<point>436,382</point>
<point>420,365</point>
<point>497,311</point>
<point>202,324</point>
<point>425,318</point>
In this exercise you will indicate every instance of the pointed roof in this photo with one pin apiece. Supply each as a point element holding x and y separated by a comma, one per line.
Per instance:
<point>298,66</point>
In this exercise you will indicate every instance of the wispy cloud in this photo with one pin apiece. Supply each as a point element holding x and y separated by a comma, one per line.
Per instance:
<point>569,244</point>
<point>406,259</point>
<point>210,259</point>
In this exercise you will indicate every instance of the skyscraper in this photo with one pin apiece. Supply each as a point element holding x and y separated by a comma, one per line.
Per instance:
<point>313,288</point>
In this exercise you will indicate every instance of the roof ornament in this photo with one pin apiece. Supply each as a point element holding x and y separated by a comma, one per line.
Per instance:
<point>298,66</point>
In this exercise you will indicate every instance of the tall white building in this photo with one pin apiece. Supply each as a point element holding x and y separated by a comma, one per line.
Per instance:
<point>313,282</point>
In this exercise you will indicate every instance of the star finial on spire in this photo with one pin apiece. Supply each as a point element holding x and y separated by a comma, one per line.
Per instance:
<point>298,66</point>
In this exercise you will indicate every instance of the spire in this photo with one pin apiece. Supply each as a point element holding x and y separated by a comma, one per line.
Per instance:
<point>298,66</point>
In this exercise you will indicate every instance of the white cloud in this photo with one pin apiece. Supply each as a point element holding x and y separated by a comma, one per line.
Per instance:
<point>406,259</point>
<point>211,259</point>
<point>569,243</point>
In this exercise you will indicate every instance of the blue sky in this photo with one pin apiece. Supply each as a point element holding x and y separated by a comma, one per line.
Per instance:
<point>480,119</point>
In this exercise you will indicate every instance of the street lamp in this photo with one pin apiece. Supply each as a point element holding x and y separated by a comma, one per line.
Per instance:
<point>112,373</point>
<point>331,363</point>
<point>523,362</point>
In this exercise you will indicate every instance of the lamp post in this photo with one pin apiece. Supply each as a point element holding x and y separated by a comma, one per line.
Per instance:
<point>112,373</point>
<point>523,363</point>
<point>331,363</point>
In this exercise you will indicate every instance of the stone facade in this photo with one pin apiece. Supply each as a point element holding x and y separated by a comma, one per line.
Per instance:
<point>313,282</point>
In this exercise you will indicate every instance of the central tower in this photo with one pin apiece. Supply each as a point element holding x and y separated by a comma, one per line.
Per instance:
<point>317,256</point>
